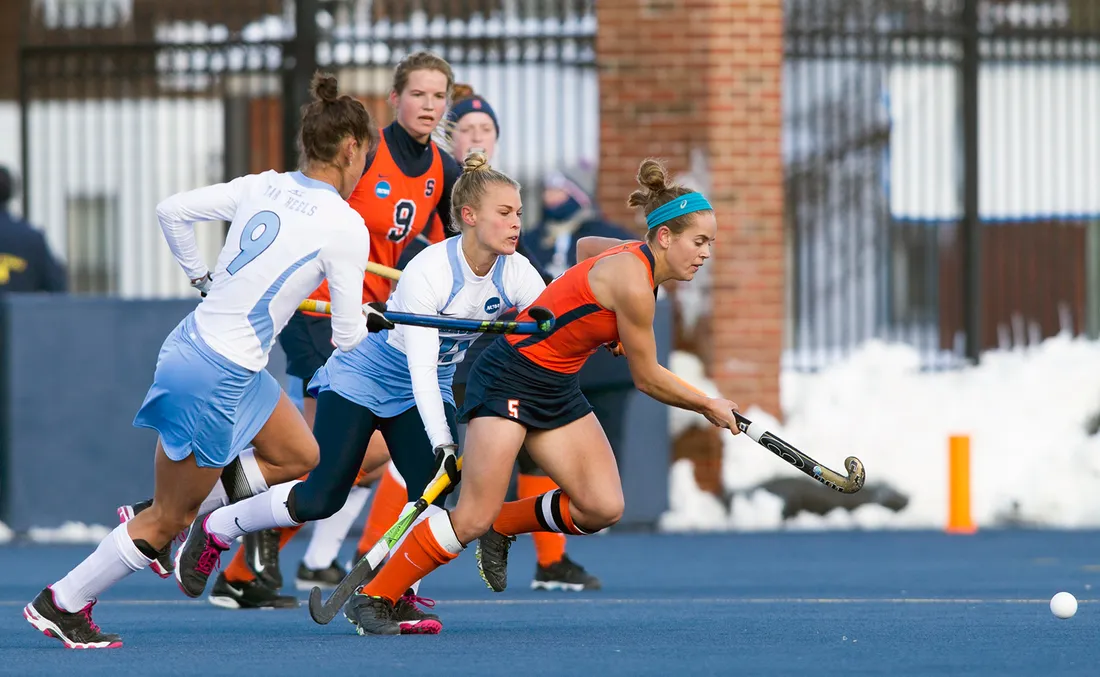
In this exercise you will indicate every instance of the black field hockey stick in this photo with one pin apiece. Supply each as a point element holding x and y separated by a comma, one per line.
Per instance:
<point>784,450</point>
<point>324,611</point>
<point>542,320</point>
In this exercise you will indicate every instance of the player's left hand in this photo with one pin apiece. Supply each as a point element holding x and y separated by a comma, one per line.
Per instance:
<point>446,463</point>
<point>376,321</point>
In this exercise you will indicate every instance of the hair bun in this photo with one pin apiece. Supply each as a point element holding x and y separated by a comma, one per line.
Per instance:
<point>461,92</point>
<point>653,177</point>
<point>323,87</point>
<point>476,160</point>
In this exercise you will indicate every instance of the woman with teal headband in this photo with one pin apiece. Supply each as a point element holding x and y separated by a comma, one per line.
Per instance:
<point>526,390</point>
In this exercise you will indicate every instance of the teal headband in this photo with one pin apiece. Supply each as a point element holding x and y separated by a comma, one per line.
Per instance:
<point>685,204</point>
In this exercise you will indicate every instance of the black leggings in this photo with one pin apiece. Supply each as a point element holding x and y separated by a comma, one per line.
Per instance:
<point>343,429</point>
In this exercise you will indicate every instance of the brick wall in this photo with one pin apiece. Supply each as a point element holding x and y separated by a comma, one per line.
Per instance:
<point>706,74</point>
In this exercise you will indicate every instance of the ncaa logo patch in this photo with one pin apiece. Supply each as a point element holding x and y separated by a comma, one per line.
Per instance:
<point>382,189</point>
<point>492,305</point>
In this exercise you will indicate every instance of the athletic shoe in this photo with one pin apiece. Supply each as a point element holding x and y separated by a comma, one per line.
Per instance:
<point>248,595</point>
<point>325,579</point>
<point>75,630</point>
<point>492,559</point>
<point>565,574</point>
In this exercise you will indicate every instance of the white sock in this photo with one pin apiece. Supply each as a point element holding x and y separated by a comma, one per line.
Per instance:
<point>215,500</point>
<point>256,481</point>
<point>116,558</point>
<point>329,534</point>
<point>266,511</point>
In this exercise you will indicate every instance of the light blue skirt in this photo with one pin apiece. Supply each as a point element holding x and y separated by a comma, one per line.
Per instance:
<point>201,403</point>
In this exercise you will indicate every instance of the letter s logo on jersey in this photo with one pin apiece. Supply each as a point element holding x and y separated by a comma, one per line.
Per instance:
<point>492,305</point>
<point>382,189</point>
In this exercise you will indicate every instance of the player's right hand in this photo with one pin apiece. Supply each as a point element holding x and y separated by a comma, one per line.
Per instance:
<point>446,463</point>
<point>719,412</point>
<point>376,321</point>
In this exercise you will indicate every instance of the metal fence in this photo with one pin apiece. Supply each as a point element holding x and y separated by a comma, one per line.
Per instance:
<point>942,158</point>
<point>126,101</point>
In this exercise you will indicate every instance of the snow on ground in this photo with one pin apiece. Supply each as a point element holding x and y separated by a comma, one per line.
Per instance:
<point>1026,411</point>
<point>69,532</point>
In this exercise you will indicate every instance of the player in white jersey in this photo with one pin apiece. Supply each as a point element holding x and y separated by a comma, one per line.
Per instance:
<point>399,381</point>
<point>211,397</point>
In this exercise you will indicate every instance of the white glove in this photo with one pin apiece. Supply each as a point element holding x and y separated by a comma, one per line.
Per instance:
<point>203,284</point>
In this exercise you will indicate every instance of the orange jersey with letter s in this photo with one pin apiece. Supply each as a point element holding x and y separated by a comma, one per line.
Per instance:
<point>582,325</point>
<point>395,208</point>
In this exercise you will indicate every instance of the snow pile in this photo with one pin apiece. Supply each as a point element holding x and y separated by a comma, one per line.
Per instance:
<point>6,534</point>
<point>1026,411</point>
<point>69,532</point>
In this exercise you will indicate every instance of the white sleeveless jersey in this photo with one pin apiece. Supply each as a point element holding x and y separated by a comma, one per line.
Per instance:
<point>439,280</point>
<point>289,232</point>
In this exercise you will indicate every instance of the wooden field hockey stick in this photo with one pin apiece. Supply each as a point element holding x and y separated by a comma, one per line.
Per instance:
<point>542,320</point>
<point>383,271</point>
<point>849,484</point>
<point>324,611</point>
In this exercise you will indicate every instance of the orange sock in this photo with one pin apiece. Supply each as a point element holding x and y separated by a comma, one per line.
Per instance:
<point>389,498</point>
<point>417,557</point>
<point>545,512</point>
<point>238,571</point>
<point>549,546</point>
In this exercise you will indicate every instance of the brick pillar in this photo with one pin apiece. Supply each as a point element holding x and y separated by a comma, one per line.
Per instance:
<point>707,76</point>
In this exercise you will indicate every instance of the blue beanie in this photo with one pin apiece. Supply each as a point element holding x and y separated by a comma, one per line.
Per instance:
<point>474,104</point>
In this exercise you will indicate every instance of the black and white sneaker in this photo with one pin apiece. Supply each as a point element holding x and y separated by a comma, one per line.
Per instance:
<point>75,630</point>
<point>325,579</point>
<point>372,615</point>
<point>248,595</point>
<point>261,553</point>
<point>565,574</point>
<point>492,559</point>
<point>163,565</point>
<point>197,558</point>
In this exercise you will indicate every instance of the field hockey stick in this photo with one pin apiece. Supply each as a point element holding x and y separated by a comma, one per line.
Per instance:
<point>787,451</point>
<point>324,611</point>
<point>543,320</point>
<point>383,271</point>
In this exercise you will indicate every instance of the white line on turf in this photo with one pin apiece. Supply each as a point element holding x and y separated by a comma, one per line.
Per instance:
<point>627,600</point>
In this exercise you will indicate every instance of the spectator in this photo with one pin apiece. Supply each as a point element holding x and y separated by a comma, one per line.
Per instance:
<point>26,264</point>
<point>569,212</point>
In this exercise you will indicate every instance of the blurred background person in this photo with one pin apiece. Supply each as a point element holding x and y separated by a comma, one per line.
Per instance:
<point>569,212</point>
<point>26,263</point>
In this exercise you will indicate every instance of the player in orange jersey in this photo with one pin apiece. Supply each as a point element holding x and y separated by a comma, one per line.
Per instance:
<point>525,390</point>
<point>407,183</point>
<point>472,123</point>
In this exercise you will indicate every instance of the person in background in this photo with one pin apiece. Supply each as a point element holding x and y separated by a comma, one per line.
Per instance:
<point>569,212</point>
<point>26,263</point>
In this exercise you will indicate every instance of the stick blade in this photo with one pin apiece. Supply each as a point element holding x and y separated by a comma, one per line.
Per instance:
<point>324,612</point>
<point>317,610</point>
<point>543,318</point>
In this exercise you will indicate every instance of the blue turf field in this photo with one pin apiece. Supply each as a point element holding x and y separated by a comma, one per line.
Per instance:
<point>752,604</point>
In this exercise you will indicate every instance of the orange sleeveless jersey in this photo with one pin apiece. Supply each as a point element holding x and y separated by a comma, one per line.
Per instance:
<point>582,325</point>
<point>395,208</point>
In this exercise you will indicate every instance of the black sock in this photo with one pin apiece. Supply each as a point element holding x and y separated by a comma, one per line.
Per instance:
<point>146,549</point>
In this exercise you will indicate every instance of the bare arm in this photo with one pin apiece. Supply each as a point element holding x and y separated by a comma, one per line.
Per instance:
<point>590,246</point>
<point>623,281</point>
